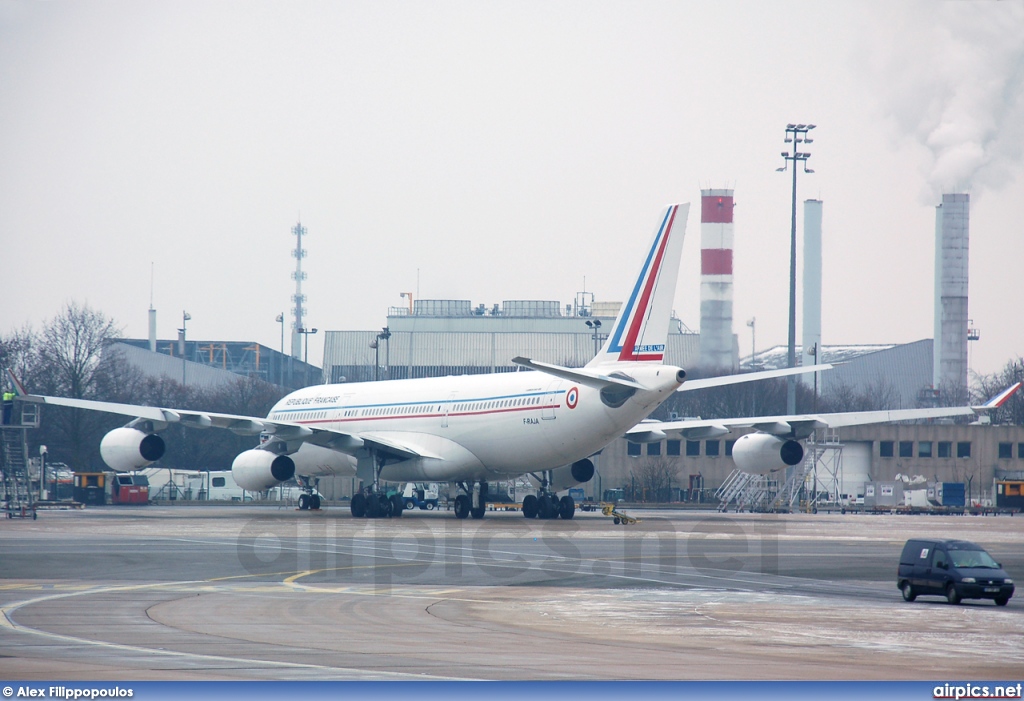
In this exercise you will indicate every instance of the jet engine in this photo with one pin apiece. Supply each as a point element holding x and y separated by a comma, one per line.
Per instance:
<point>127,449</point>
<point>761,452</point>
<point>257,470</point>
<point>571,475</point>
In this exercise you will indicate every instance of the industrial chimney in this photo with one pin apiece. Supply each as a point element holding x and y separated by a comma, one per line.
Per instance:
<point>811,339</point>
<point>717,346</point>
<point>952,236</point>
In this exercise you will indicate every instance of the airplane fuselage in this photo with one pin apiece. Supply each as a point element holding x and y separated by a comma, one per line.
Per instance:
<point>480,426</point>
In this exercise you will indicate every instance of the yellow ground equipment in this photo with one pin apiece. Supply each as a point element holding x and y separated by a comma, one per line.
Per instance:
<point>617,516</point>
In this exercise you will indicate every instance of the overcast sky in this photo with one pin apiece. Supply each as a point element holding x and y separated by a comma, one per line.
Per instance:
<point>500,150</point>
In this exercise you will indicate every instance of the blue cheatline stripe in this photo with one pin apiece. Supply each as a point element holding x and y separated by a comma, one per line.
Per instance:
<point>427,402</point>
<point>616,342</point>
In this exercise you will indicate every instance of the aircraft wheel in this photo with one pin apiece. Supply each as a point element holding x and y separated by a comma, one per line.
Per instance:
<point>385,505</point>
<point>548,507</point>
<point>314,502</point>
<point>397,506</point>
<point>462,506</point>
<point>478,512</point>
<point>372,506</point>
<point>567,508</point>
<point>358,506</point>
<point>530,506</point>
<point>303,502</point>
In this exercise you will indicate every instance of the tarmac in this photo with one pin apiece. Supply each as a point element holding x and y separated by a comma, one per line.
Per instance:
<point>256,592</point>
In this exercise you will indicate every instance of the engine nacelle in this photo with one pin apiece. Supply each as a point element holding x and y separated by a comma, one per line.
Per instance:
<point>128,449</point>
<point>257,470</point>
<point>569,476</point>
<point>761,452</point>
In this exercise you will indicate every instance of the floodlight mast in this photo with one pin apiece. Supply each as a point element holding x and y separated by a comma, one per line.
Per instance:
<point>796,134</point>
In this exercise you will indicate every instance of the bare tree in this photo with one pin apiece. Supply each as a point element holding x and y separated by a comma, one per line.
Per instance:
<point>69,361</point>
<point>70,348</point>
<point>17,352</point>
<point>654,476</point>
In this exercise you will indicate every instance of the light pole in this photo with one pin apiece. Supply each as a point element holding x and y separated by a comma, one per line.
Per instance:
<point>185,316</point>
<point>595,324</point>
<point>42,474</point>
<point>375,345</point>
<point>796,134</point>
<point>280,320</point>
<point>753,352</point>
<point>307,334</point>
<point>384,336</point>
<point>753,339</point>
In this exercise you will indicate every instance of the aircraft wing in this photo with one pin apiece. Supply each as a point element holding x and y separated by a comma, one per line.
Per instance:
<point>593,377</point>
<point>342,442</point>
<point>802,425</point>
<point>706,382</point>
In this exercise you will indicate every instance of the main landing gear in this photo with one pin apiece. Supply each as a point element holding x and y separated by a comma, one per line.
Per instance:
<point>373,501</point>
<point>546,505</point>
<point>472,501</point>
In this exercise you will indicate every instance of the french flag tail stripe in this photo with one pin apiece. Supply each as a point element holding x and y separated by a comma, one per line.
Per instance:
<point>19,388</point>
<point>637,335</point>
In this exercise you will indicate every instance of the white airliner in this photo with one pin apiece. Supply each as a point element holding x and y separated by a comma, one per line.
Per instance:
<point>546,421</point>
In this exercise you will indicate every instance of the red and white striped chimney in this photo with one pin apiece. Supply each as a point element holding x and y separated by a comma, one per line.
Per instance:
<point>716,243</point>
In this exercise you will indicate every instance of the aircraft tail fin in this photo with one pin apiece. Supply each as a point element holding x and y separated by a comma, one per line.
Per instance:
<point>19,389</point>
<point>641,330</point>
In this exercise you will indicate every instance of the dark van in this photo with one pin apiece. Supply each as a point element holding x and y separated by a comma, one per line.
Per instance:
<point>955,569</point>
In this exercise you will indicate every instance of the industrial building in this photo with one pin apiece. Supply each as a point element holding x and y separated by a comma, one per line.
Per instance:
<point>454,337</point>
<point>975,454</point>
<point>211,364</point>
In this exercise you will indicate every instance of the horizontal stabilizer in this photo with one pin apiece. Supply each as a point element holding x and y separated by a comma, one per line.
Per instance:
<point>590,377</point>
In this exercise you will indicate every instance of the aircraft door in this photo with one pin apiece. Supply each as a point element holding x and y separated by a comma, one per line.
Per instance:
<point>552,400</point>
<point>448,407</point>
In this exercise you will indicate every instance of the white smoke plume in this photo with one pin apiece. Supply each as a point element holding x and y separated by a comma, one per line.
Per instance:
<point>952,79</point>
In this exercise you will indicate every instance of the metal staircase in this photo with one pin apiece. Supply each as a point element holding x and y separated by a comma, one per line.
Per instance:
<point>17,496</point>
<point>746,491</point>
<point>796,476</point>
